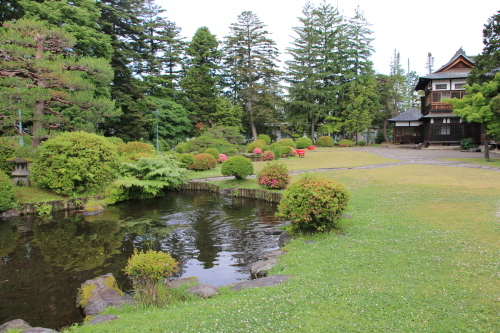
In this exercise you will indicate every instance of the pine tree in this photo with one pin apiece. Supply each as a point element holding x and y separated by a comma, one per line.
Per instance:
<point>54,88</point>
<point>252,72</point>
<point>429,64</point>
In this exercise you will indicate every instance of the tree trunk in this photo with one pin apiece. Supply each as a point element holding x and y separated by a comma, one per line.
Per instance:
<point>37,126</point>
<point>252,123</point>
<point>313,129</point>
<point>486,147</point>
<point>384,131</point>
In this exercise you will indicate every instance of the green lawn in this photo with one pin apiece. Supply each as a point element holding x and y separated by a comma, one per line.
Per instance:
<point>494,160</point>
<point>420,253</point>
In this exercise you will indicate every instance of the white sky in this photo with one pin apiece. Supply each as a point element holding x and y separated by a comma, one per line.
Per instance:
<point>413,27</point>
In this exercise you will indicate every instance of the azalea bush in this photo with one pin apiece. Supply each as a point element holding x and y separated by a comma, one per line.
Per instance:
<point>303,142</point>
<point>268,156</point>
<point>287,142</point>
<point>237,166</point>
<point>274,175</point>
<point>313,203</point>
<point>257,150</point>
<point>212,151</point>
<point>204,161</point>
<point>257,143</point>
<point>186,160</point>
<point>346,143</point>
<point>325,141</point>
<point>222,158</point>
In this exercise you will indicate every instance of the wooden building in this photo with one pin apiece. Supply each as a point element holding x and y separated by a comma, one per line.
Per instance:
<point>436,124</point>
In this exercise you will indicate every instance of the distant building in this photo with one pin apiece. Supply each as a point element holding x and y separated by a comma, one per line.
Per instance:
<point>435,123</point>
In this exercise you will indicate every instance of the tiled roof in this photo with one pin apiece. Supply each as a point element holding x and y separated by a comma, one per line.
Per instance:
<point>412,114</point>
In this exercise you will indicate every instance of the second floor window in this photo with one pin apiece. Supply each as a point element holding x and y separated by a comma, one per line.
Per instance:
<point>441,86</point>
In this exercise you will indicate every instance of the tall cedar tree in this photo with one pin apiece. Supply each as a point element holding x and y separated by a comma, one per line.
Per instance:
<point>42,77</point>
<point>200,83</point>
<point>488,62</point>
<point>252,72</point>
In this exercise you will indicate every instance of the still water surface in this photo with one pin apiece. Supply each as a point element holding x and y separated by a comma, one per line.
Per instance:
<point>45,260</point>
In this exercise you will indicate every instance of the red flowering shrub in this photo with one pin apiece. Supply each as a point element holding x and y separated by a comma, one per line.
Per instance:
<point>268,156</point>
<point>257,150</point>
<point>313,203</point>
<point>274,175</point>
<point>222,158</point>
<point>204,162</point>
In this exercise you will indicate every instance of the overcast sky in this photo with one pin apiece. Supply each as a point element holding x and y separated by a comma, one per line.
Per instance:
<point>414,28</point>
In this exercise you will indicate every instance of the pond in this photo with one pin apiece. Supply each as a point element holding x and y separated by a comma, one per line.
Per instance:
<point>46,259</point>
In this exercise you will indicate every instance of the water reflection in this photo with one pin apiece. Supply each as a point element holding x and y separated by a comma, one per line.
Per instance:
<point>44,261</point>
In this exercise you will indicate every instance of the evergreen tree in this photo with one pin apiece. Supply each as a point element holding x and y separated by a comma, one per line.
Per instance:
<point>252,71</point>
<point>488,62</point>
<point>200,83</point>
<point>54,88</point>
<point>10,10</point>
<point>429,64</point>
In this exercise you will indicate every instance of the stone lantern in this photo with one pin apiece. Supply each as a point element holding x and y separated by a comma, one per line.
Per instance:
<point>21,171</point>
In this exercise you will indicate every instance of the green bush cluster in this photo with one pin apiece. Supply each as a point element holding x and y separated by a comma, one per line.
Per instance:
<point>379,138</point>
<point>181,147</point>
<point>303,142</point>
<point>313,204</point>
<point>135,150</point>
<point>266,138</point>
<point>256,144</point>
<point>212,151</point>
<point>268,156</point>
<point>7,193</point>
<point>75,163</point>
<point>202,143</point>
<point>287,150</point>
<point>362,143</point>
<point>148,269</point>
<point>325,141</point>
<point>274,175</point>
<point>186,160</point>
<point>346,143</point>
<point>287,142</point>
<point>204,161</point>
<point>277,149</point>
<point>237,166</point>
<point>467,143</point>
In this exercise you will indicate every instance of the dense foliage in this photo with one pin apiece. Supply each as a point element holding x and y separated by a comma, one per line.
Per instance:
<point>237,166</point>
<point>7,193</point>
<point>325,141</point>
<point>75,163</point>
<point>313,203</point>
<point>274,175</point>
<point>186,160</point>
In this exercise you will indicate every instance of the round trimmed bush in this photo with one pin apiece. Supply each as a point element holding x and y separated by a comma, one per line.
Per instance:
<point>258,143</point>
<point>362,143</point>
<point>303,142</point>
<point>237,166</point>
<point>313,203</point>
<point>204,161</point>
<point>212,151</point>
<point>266,138</point>
<point>186,160</point>
<point>325,141</point>
<point>257,150</point>
<point>132,148</point>
<point>7,193</point>
<point>268,156</point>
<point>346,143</point>
<point>75,163</point>
<point>287,150</point>
<point>288,142</point>
<point>274,175</point>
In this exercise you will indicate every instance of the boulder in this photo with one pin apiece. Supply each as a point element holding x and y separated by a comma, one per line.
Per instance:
<point>268,281</point>
<point>272,254</point>
<point>16,324</point>
<point>259,269</point>
<point>102,319</point>
<point>283,239</point>
<point>204,290</point>
<point>96,295</point>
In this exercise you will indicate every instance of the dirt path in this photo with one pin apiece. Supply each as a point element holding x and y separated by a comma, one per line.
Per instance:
<point>405,156</point>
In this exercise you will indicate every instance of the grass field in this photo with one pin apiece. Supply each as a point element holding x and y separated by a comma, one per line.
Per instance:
<point>420,253</point>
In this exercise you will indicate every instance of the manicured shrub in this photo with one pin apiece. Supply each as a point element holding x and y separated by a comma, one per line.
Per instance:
<point>238,166</point>
<point>222,158</point>
<point>257,143</point>
<point>186,160</point>
<point>75,163</point>
<point>212,151</point>
<point>181,147</point>
<point>346,143</point>
<point>201,143</point>
<point>257,150</point>
<point>325,141</point>
<point>268,156</point>
<point>467,143</point>
<point>287,142</point>
<point>277,149</point>
<point>7,193</point>
<point>133,148</point>
<point>303,142</point>
<point>379,138</point>
<point>313,204</point>
<point>362,143</point>
<point>287,150</point>
<point>265,138</point>
<point>148,269</point>
<point>274,175</point>
<point>204,161</point>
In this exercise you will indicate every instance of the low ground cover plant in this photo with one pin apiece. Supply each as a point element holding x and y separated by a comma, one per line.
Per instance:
<point>237,166</point>
<point>313,203</point>
<point>274,175</point>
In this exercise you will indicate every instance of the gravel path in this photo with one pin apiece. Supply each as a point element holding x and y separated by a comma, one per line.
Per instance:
<point>405,156</point>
